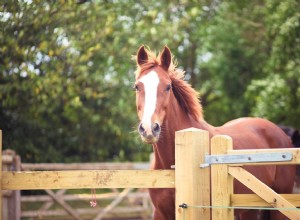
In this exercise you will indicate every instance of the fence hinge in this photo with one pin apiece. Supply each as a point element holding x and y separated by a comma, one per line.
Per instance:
<point>247,158</point>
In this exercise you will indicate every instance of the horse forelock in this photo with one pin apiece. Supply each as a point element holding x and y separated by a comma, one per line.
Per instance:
<point>186,96</point>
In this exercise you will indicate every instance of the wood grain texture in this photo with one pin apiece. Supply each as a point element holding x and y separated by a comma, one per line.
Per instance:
<point>221,181</point>
<point>192,182</point>
<point>255,201</point>
<point>88,179</point>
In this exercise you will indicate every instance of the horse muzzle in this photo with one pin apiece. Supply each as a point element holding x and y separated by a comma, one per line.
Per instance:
<point>149,134</point>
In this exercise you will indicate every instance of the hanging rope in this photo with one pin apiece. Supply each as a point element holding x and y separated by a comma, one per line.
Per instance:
<point>93,201</point>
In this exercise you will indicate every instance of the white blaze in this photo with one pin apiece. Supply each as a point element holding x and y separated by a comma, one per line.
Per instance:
<point>150,82</point>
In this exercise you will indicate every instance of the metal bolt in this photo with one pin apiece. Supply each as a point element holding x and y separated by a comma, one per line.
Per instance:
<point>183,205</point>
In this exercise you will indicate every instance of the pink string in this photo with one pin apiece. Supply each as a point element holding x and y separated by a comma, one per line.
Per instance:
<point>93,201</point>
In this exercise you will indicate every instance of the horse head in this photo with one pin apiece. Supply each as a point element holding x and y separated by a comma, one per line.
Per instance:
<point>153,88</point>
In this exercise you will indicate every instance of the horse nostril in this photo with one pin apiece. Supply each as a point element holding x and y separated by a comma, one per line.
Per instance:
<point>141,129</point>
<point>156,128</point>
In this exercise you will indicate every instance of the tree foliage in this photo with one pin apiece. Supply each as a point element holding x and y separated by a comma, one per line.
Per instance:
<point>277,96</point>
<point>66,70</point>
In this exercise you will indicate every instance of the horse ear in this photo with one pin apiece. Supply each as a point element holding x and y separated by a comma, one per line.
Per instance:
<point>166,58</point>
<point>142,56</point>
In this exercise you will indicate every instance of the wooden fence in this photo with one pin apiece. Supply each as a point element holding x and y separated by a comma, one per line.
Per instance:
<point>193,185</point>
<point>112,203</point>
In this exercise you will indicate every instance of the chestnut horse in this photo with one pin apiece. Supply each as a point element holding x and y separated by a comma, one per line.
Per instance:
<point>166,103</point>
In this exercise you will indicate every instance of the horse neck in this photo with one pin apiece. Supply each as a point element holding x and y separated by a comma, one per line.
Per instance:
<point>176,119</point>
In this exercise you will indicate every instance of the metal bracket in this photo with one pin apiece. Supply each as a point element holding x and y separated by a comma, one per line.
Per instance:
<point>247,158</point>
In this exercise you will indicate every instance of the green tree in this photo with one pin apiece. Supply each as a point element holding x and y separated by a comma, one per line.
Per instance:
<point>277,96</point>
<point>253,68</point>
<point>235,41</point>
<point>63,99</point>
<point>66,73</point>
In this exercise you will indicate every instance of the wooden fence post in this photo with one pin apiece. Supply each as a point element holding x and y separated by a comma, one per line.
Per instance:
<point>17,193</point>
<point>221,181</point>
<point>11,199</point>
<point>192,183</point>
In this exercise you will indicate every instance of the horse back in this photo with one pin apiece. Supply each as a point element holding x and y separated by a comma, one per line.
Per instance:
<point>255,133</point>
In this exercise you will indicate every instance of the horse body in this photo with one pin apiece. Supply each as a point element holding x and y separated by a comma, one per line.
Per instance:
<point>178,108</point>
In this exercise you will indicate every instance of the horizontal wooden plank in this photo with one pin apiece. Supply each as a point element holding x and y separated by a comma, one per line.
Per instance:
<point>87,197</point>
<point>132,211</point>
<point>256,201</point>
<point>84,166</point>
<point>88,179</point>
<point>294,151</point>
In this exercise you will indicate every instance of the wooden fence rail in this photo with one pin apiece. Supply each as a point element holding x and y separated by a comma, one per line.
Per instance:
<point>87,179</point>
<point>84,166</point>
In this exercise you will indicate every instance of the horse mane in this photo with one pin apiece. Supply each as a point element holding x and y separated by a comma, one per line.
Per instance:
<point>187,97</point>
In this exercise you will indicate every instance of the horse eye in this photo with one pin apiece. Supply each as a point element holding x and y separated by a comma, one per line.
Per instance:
<point>168,87</point>
<point>136,87</point>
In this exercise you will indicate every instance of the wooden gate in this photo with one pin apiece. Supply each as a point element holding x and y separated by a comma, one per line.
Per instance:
<point>222,183</point>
